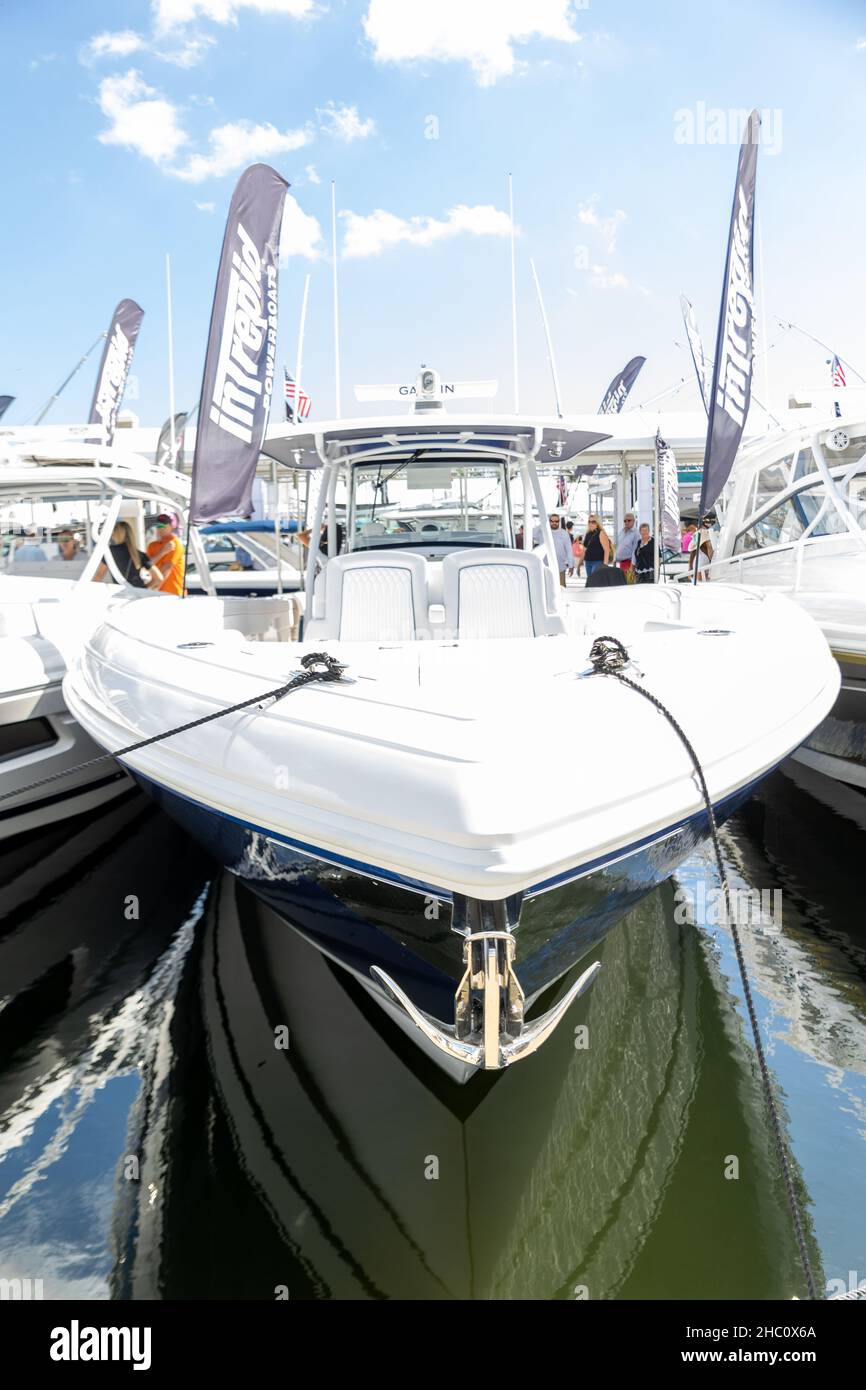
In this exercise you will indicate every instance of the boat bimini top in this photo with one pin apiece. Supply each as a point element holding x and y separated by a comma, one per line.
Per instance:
<point>388,577</point>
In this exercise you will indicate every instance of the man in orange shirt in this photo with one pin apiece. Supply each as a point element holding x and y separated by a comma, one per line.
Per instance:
<point>166,553</point>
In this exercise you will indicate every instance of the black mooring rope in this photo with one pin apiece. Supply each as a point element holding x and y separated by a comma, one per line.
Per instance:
<point>318,666</point>
<point>608,657</point>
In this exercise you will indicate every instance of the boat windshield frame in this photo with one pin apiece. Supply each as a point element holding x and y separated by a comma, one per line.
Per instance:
<point>51,480</point>
<point>825,477</point>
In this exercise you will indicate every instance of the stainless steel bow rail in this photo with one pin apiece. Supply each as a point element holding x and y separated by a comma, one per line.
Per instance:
<point>609,658</point>
<point>318,666</point>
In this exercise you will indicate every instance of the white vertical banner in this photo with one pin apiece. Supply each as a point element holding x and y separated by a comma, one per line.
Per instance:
<point>669,497</point>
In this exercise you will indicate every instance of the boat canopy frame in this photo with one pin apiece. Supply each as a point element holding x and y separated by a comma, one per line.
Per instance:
<point>518,445</point>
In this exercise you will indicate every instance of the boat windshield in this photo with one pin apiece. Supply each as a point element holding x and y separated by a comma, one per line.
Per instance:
<point>808,511</point>
<point>438,503</point>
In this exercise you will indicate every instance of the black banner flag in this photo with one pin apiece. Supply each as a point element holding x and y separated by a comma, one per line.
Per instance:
<point>616,394</point>
<point>732,372</point>
<point>163,444</point>
<point>114,367</point>
<point>238,381</point>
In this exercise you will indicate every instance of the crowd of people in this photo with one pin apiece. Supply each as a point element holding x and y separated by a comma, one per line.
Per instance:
<point>160,568</point>
<point>632,553</point>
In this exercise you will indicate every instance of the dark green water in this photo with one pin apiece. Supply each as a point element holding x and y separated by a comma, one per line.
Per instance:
<point>155,1144</point>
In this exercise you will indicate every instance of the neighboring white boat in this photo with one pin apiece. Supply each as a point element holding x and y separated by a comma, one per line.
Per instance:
<point>48,607</point>
<point>422,805</point>
<point>795,523</point>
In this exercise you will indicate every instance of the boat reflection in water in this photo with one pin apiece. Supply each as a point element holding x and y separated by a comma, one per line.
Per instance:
<point>156,1143</point>
<point>368,1174</point>
<point>91,949</point>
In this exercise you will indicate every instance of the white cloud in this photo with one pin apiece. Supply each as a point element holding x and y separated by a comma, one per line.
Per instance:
<point>344,122</point>
<point>861,43</point>
<point>189,50</point>
<point>607,227</point>
<point>141,120</point>
<point>481,33</point>
<point>239,143</point>
<point>379,230</point>
<point>600,278</point>
<point>171,14</point>
<point>300,234</point>
<point>118,44</point>
<point>206,207</point>
<point>311,175</point>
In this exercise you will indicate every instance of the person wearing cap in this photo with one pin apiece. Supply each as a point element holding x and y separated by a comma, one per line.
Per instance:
<point>626,544</point>
<point>166,557</point>
<point>29,549</point>
<point>701,546</point>
<point>67,544</point>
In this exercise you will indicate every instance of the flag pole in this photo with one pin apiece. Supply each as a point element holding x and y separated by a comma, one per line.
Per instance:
<point>513,299</point>
<point>63,385</point>
<point>786,323</point>
<point>656,516</point>
<point>765,317</point>
<point>550,357</point>
<point>299,360</point>
<point>170,358</point>
<point>338,412</point>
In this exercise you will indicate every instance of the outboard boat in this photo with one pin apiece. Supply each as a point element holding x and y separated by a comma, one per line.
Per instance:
<point>48,606</point>
<point>795,523</point>
<point>419,818</point>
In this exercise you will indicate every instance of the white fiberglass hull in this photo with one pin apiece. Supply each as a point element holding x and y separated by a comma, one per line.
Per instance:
<point>43,623</point>
<point>408,767</point>
<point>828,583</point>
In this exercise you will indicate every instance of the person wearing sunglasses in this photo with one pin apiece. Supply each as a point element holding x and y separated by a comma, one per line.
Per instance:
<point>67,545</point>
<point>596,546</point>
<point>562,547</point>
<point>166,557</point>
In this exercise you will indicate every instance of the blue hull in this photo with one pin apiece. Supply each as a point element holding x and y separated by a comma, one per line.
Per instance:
<point>362,920</point>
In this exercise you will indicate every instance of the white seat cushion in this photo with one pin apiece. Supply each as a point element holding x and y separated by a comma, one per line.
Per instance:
<point>500,593</point>
<point>373,597</point>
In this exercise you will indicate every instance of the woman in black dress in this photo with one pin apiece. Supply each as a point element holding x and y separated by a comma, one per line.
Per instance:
<point>645,557</point>
<point>596,546</point>
<point>131,562</point>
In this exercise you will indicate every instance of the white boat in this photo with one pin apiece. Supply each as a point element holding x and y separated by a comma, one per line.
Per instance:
<point>795,524</point>
<point>392,816</point>
<point>48,606</point>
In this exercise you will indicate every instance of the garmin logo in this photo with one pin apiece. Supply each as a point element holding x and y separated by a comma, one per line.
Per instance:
<point>249,328</point>
<point>446,388</point>
<point>735,367</point>
<point>117,358</point>
<point>75,1343</point>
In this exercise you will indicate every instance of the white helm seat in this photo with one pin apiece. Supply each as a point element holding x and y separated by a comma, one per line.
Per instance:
<point>501,593</point>
<point>372,597</point>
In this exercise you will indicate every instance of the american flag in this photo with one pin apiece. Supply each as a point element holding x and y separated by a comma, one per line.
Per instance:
<point>303,400</point>
<point>562,490</point>
<point>837,373</point>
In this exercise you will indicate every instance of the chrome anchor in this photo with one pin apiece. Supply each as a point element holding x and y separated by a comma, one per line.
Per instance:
<point>489,1030</point>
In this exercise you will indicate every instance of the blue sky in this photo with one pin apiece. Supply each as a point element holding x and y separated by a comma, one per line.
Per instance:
<point>127,125</point>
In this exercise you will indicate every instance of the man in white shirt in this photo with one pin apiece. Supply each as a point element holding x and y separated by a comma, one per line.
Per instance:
<point>627,543</point>
<point>562,547</point>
